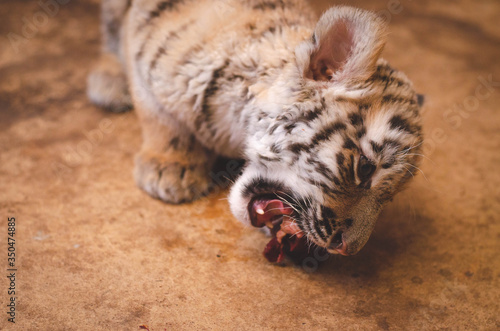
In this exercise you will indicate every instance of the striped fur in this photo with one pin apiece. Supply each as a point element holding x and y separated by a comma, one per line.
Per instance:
<point>321,120</point>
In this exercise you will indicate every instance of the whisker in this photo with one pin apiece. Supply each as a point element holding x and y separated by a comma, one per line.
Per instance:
<point>407,150</point>
<point>422,155</point>
<point>291,197</point>
<point>412,147</point>
<point>414,166</point>
<point>294,200</point>
<point>292,205</point>
<point>411,173</point>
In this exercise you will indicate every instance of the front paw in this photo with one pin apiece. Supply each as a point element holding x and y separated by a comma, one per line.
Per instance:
<point>171,181</point>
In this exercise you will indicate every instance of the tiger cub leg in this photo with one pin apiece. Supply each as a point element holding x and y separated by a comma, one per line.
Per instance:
<point>107,84</point>
<point>172,165</point>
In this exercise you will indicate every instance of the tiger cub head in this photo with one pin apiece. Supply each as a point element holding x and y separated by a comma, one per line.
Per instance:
<point>349,140</point>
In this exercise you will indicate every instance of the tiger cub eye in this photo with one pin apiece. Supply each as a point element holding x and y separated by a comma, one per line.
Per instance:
<point>366,168</point>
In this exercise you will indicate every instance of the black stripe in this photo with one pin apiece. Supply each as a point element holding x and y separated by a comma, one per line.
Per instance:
<point>162,50</point>
<point>162,6</point>
<point>183,172</point>
<point>275,148</point>
<point>363,107</point>
<point>346,169</point>
<point>328,227</point>
<point>301,226</point>
<point>323,169</point>
<point>327,132</point>
<point>306,117</point>
<point>351,168</point>
<point>336,180</point>
<point>392,143</point>
<point>389,98</point>
<point>349,144</point>
<point>401,124</point>
<point>269,5</point>
<point>340,158</point>
<point>298,147</point>
<point>312,115</point>
<point>167,5</point>
<point>387,165</point>
<point>377,148</point>
<point>388,80</point>
<point>304,204</point>
<point>361,132</point>
<point>328,215</point>
<point>342,99</point>
<point>260,185</point>
<point>152,65</point>
<point>212,87</point>
<point>261,116</point>
<point>289,127</point>
<point>355,119</point>
<point>319,231</point>
<point>273,128</point>
<point>307,228</point>
<point>332,193</point>
<point>272,29</point>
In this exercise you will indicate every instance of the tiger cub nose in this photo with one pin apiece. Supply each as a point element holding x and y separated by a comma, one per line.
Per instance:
<point>338,244</point>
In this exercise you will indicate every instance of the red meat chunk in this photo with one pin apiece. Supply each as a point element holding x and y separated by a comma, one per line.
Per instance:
<point>287,238</point>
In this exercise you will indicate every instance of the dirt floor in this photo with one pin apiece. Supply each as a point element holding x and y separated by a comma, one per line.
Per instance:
<point>96,253</point>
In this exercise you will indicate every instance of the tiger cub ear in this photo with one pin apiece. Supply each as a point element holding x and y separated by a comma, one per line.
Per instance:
<point>345,46</point>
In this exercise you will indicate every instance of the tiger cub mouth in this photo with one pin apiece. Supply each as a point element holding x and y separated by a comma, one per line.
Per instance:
<point>287,237</point>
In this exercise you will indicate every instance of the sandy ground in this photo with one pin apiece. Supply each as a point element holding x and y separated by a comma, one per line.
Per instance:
<point>96,253</point>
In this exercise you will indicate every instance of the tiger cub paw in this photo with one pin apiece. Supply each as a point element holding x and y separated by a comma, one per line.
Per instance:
<point>171,181</point>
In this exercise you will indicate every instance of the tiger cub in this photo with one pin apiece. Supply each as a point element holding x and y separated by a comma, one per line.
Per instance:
<point>328,130</point>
